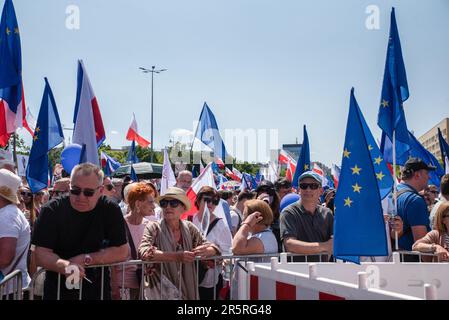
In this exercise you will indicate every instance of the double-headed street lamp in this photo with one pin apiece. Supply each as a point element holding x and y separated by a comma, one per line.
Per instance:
<point>153,71</point>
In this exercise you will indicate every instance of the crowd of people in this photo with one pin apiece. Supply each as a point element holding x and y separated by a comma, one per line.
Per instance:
<point>88,220</point>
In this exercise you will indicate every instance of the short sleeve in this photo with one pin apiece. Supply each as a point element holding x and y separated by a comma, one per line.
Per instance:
<point>288,225</point>
<point>9,227</point>
<point>45,233</point>
<point>115,230</point>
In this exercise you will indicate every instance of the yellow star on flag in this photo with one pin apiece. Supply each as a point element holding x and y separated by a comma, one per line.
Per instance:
<point>306,167</point>
<point>16,30</point>
<point>38,129</point>
<point>348,202</point>
<point>346,153</point>
<point>380,176</point>
<point>35,137</point>
<point>370,147</point>
<point>384,103</point>
<point>357,188</point>
<point>8,31</point>
<point>356,170</point>
<point>378,160</point>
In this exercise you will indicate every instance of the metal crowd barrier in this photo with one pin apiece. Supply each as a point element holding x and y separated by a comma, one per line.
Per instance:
<point>228,266</point>
<point>15,279</point>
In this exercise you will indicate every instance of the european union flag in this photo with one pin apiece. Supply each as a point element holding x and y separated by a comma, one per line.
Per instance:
<point>9,31</point>
<point>47,135</point>
<point>132,155</point>
<point>133,174</point>
<point>303,160</point>
<point>391,115</point>
<point>207,132</point>
<point>384,179</point>
<point>359,228</point>
<point>417,150</point>
<point>444,147</point>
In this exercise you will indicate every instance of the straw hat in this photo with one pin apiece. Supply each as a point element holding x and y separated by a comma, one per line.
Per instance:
<point>9,185</point>
<point>178,194</point>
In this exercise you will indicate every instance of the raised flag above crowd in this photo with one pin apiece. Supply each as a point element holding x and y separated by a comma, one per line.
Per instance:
<point>303,160</point>
<point>133,134</point>
<point>359,229</point>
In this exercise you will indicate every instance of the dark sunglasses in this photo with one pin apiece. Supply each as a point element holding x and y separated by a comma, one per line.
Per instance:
<point>109,187</point>
<point>214,201</point>
<point>87,192</point>
<point>173,203</point>
<point>312,186</point>
<point>26,194</point>
<point>57,193</point>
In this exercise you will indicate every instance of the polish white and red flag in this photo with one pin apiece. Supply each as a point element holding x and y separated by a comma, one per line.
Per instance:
<point>285,158</point>
<point>232,175</point>
<point>219,162</point>
<point>206,178</point>
<point>317,169</point>
<point>133,134</point>
<point>291,168</point>
<point>335,171</point>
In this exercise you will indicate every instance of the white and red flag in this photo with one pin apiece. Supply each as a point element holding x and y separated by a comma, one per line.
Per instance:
<point>133,134</point>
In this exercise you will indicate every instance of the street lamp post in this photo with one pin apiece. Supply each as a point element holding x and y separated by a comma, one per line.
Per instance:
<point>153,71</point>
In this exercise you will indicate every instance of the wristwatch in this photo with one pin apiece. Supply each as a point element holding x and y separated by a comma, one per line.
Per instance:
<point>87,260</point>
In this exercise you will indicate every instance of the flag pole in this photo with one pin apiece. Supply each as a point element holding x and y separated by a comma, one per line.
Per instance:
<point>395,194</point>
<point>14,149</point>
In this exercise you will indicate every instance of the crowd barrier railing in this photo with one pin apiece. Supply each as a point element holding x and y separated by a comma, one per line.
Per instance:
<point>11,286</point>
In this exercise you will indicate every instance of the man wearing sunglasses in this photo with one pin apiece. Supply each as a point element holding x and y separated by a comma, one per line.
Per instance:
<point>108,189</point>
<point>78,230</point>
<point>306,226</point>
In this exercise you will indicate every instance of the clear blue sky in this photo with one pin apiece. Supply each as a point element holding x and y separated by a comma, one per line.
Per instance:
<point>259,64</point>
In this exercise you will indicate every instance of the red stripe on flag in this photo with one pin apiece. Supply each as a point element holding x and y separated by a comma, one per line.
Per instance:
<point>285,291</point>
<point>98,121</point>
<point>327,296</point>
<point>254,288</point>
<point>4,135</point>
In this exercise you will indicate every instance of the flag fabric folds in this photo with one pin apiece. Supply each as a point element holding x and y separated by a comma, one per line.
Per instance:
<point>335,171</point>
<point>12,100</point>
<point>207,132</point>
<point>444,148</point>
<point>133,134</point>
<point>359,228</point>
<point>48,134</point>
<point>133,174</point>
<point>303,160</point>
<point>108,164</point>
<point>132,155</point>
<point>88,124</point>
<point>391,116</point>
<point>168,177</point>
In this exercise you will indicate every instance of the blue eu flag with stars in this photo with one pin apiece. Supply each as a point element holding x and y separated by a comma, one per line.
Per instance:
<point>132,154</point>
<point>391,116</point>
<point>359,228</point>
<point>47,135</point>
<point>303,160</point>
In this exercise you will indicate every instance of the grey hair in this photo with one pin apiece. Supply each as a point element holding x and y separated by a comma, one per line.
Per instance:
<point>86,169</point>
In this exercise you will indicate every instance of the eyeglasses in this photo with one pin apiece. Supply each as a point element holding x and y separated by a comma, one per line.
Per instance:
<point>58,192</point>
<point>173,203</point>
<point>26,194</point>
<point>87,192</point>
<point>109,187</point>
<point>214,201</point>
<point>312,186</point>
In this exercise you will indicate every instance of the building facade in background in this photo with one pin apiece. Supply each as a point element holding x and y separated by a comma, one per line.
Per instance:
<point>430,139</point>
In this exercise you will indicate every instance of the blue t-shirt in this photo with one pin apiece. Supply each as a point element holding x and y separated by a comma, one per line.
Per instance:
<point>413,210</point>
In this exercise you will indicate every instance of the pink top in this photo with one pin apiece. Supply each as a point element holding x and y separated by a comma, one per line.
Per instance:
<point>130,279</point>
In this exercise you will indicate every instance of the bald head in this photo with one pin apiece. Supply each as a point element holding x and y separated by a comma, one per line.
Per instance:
<point>184,180</point>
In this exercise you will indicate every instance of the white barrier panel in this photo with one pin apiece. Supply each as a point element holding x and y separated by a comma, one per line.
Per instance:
<point>330,281</point>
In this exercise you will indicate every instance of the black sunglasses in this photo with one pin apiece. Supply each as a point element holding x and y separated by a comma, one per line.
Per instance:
<point>173,203</point>
<point>214,201</point>
<point>26,194</point>
<point>87,192</point>
<point>312,186</point>
<point>109,187</point>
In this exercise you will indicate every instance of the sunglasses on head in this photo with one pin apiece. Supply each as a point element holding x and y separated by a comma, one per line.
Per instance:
<point>109,187</point>
<point>312,186</point>
<point>86,192</point>
<point>173,203</point>
<point>26,194</point>
<point>214,201</point>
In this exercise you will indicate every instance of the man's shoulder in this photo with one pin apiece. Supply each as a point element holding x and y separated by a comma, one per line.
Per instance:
<point>325,211</point>
<point>295,209</point>
<point>56,204</point>
<point>11,213</point>
<point>105,202</point>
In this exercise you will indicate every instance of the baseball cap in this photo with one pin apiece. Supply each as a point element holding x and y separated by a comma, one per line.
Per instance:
<point>416,164</point>
<point>310,174</point>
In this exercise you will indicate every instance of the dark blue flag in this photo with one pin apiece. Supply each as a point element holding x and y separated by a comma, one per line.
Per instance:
<point>207,132</point>
<point>444,148</point>
<point>132,155</point>
<point>359,228</point>
<point>9,47</point>
<point>417,150</point>
<point>391,115</point>
<point>47,135</point>
<point>133,174</point>
<point>303,160</point>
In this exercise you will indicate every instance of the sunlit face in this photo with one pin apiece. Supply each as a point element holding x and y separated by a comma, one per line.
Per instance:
<point>108,187</point>
<point>87,185</point>
<point>309,194</point>
<point>184,181</point>
<point>210,201</point>
<point>146,206</point>
<point>283,191</point>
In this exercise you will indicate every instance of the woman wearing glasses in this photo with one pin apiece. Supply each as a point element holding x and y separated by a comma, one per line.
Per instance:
<point>217,232</point>
<point>175,242</point>
<point>266,192</point>
<point>437,240</point>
